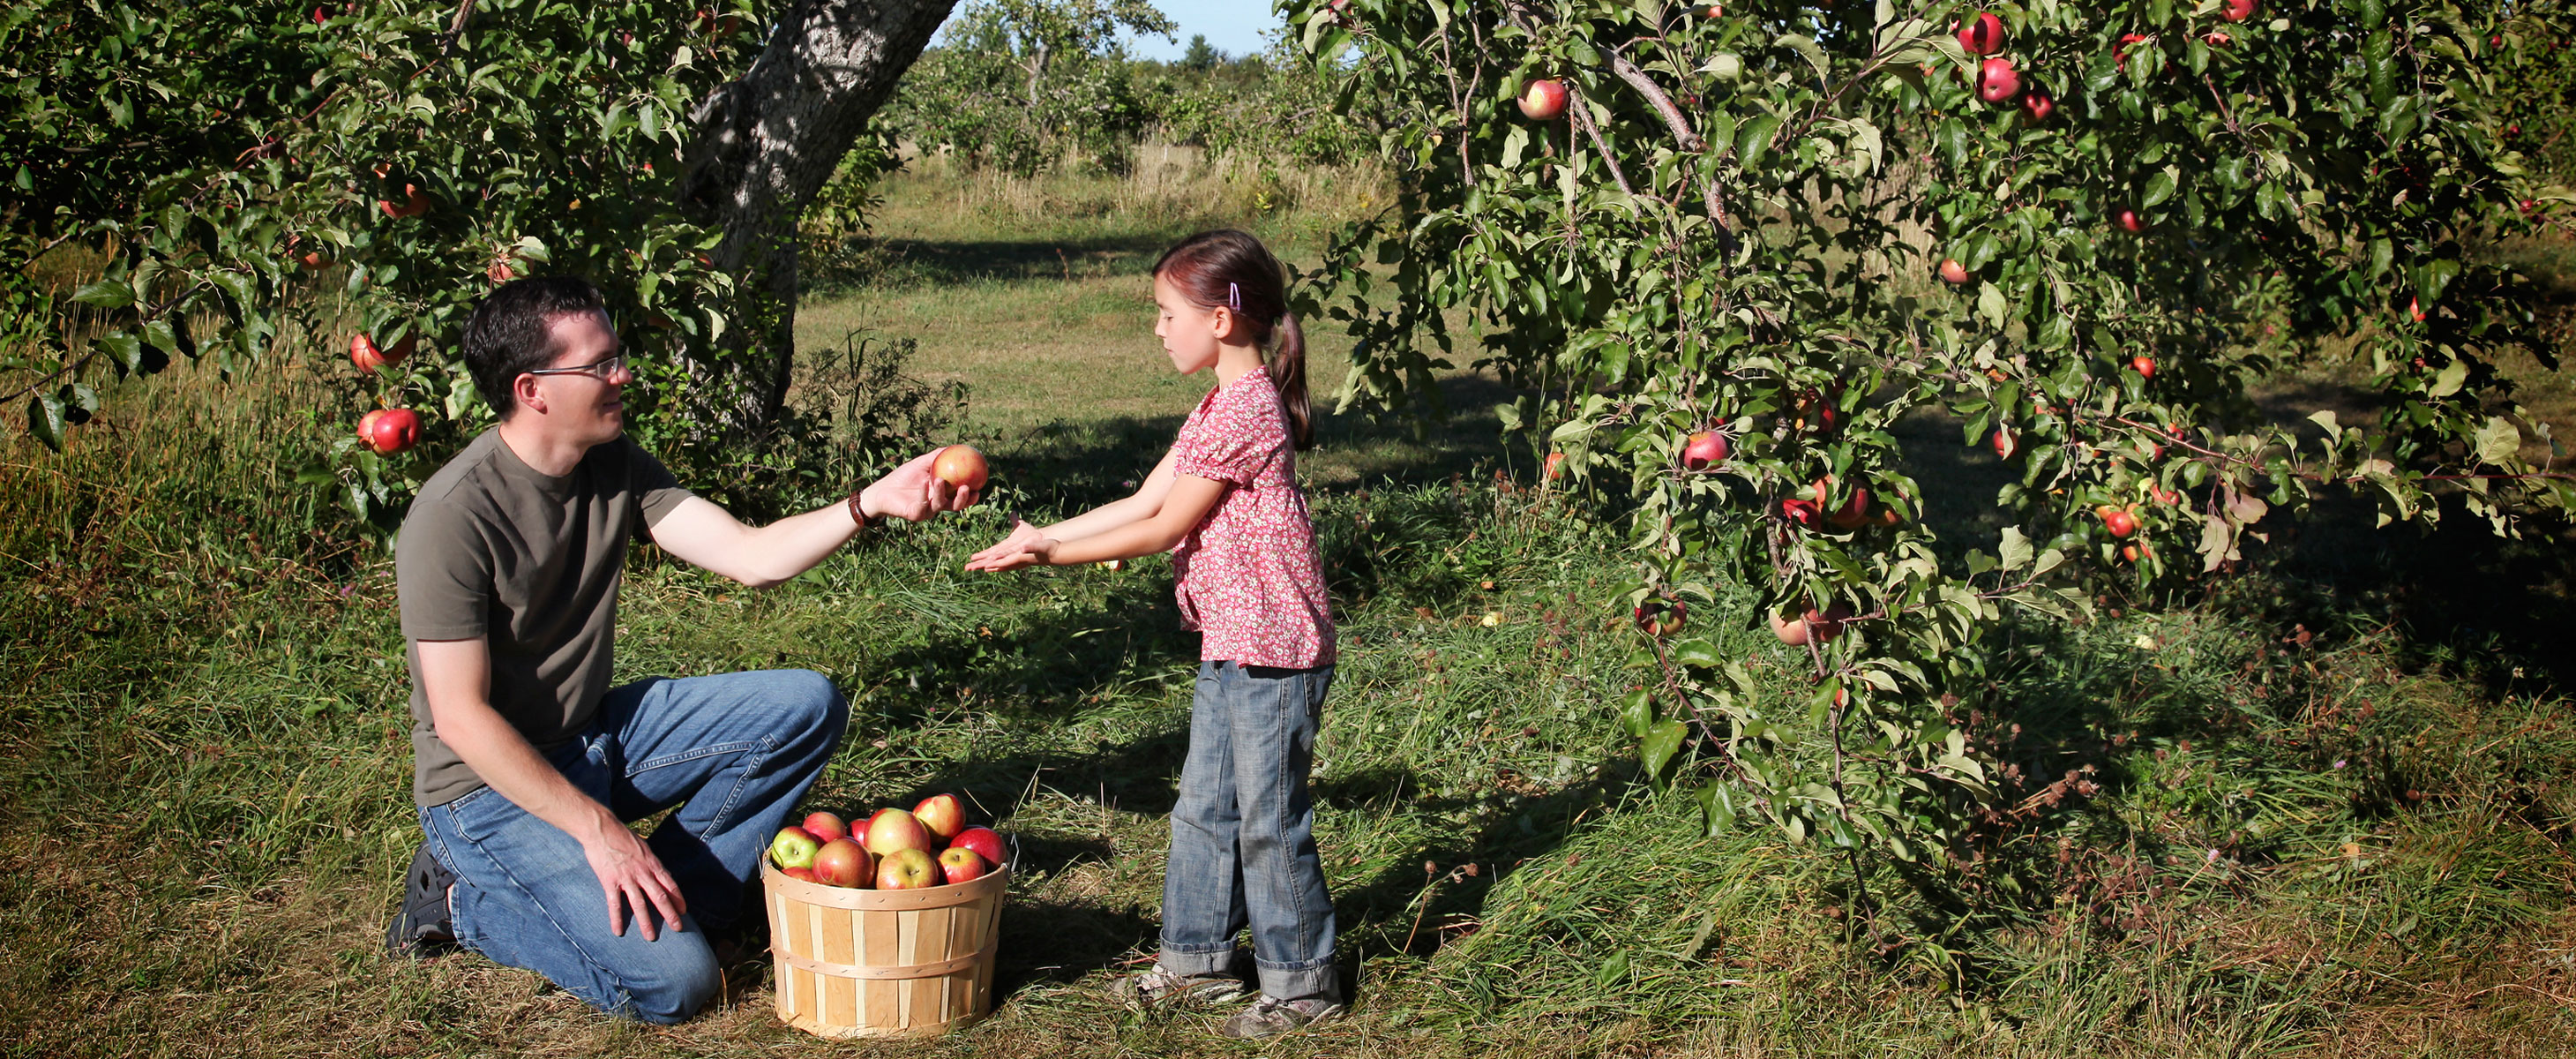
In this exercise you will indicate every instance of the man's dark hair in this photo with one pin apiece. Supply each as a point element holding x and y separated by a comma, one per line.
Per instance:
<point>508,334</point>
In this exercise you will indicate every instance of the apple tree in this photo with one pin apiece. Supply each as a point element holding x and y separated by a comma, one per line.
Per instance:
<point>2083,232</point>
<point>249,173</point>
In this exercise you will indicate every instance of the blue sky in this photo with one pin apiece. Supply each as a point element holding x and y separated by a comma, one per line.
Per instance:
<point>1233,26</point>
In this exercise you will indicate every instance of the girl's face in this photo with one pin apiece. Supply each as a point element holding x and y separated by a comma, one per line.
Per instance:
<point>1191,335</point>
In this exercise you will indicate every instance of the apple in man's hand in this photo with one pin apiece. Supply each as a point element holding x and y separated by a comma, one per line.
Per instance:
<point>961,466</point>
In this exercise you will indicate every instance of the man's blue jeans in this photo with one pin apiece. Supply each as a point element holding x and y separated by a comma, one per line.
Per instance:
<point>734,752</point>
<point>1243,833</point>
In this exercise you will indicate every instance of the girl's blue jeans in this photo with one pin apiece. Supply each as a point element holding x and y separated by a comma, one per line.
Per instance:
<point>1243,841</point>
<point>733,752</point>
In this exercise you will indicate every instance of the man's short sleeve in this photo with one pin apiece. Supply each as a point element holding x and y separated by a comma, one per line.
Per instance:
<point>656,492</point>
<point>442,572</point>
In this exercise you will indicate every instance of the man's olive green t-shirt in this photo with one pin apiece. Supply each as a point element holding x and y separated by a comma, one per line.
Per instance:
<point>495,551</point>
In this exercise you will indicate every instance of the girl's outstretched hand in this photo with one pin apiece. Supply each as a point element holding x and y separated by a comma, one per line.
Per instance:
<point>1022,532</point>
<point>1014,552</point>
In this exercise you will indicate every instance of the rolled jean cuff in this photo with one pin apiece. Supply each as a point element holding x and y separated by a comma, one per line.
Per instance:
<point>1198,962</point>
<point>1315,980</point>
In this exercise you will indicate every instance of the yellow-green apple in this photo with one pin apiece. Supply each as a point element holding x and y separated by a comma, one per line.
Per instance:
<point>907,869</point>
<point>1702,449</point>
<point>941,814</point>
<point>842,863</point>
<point>1952,271</point>
<point>1982,35</point>
<point>893,829</point>
<point>958,864</point>
<point>389,430</point>
<point>961,466</point>
<point>1543,100</point>
<point>826,826</point>
<point>794,847</point>
<point>986,843</point>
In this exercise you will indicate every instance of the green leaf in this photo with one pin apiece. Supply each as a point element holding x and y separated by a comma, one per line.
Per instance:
<point>1661,743</point>
<point>126,350</point>
<point>2498,441</point>
<point>106,294</point>
<point>1637,713</point>
<point>2449,380</point>
<point>45,420</point>
<point>2159,188</point>
<point>2015,551</point>
<point>1698,653</point>
<point>1754,139</point>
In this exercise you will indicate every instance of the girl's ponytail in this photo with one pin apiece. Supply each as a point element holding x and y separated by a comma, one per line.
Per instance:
<point>1231,270</point>
<point>1288,374</point>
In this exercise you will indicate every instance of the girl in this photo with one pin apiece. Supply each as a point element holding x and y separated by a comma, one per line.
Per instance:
<point>1225,502</point>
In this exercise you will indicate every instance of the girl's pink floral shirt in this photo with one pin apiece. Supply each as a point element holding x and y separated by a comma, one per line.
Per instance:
<point>1250,577</point>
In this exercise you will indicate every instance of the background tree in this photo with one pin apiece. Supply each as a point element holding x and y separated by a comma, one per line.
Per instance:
<point>1020,83</point>
<point>1729,248</point>
<point>221,165</point>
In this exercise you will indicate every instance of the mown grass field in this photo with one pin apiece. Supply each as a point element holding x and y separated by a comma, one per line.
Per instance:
<point>2330,806</point>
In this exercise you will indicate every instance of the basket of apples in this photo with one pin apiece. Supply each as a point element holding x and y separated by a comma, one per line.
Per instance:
<point>885,927</point>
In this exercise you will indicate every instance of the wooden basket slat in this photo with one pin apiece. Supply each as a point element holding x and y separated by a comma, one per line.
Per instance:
<point>906,963</point>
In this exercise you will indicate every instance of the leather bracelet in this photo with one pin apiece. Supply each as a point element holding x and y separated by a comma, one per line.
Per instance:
<point>856,514</point>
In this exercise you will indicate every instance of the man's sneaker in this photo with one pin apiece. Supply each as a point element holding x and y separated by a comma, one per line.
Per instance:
<point>1160,988</point>
<point>1271,1017</point>
<point>420,928</point>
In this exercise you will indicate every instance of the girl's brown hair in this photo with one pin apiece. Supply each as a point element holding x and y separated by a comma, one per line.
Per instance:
<point>1230,270</point>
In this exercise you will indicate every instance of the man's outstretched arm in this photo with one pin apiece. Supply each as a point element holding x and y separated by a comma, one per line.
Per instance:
<point>456,676</point>
<point>707,536</point>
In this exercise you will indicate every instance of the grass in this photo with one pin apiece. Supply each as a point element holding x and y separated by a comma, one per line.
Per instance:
<point>2351,843</point>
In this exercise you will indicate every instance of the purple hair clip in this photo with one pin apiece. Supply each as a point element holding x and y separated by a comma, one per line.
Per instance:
<point>1233,297</point>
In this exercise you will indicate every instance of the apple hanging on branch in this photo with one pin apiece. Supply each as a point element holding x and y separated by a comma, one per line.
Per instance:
<point>1703,450</point>
<point>1543,100</point>
<point>1982,35</point>
<point>387,431</point>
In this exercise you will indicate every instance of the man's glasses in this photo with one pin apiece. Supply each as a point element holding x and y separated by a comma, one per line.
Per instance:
<point>604,370</point>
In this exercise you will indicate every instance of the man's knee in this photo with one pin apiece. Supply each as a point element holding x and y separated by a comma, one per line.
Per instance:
<point>671,987</point>
<point>812,702</point>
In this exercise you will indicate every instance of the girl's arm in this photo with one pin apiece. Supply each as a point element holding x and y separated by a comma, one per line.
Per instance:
<point>1186,503</point>
<point>1142,504</point>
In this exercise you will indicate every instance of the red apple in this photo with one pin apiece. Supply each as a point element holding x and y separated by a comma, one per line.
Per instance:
<point>942,815</point>
<point>958,864</point>
<point>2145,366</point>
<point>1800,513</point>
<point>2239,10</point>
<point>1952,271</point>
<point>1661,617</point>
<point>363,353</point>
<point>983,840</point>
<point>389,430</point>
<point>1827,624</point>
<point>794,847</point>
<point>2005,443</point>
<point>2037,106</point>
<point>1703,449</point>
<point>2415,308</point>
<point>826,827</point>
<point>2118,521</point>
<point>415,203</point>
<point>907,869</point>
<point>2120,51</point>
<point>960,466</point>
<point>2129,221</point>
<point>1554,466</point>
<point>842,863</point>
<point>805,874</point>
<point>893,829</point>
<point>1854,513</point>
<point>1982,35</point>
<point>1997,81</point>
<point>2217,38</point>
<point>1543,100</point>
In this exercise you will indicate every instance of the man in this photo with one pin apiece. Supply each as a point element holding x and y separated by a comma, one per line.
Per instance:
<point>527,765</point>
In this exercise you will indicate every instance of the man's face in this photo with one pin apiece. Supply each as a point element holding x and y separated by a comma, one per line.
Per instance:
<point>586,405</point>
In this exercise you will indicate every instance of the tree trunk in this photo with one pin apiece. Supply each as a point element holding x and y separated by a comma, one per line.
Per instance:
<point>766,143</point>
